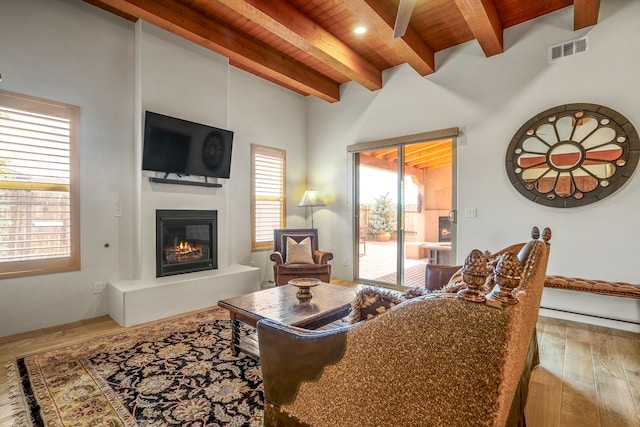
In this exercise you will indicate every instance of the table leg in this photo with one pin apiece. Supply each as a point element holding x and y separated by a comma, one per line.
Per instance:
<point>235,334</point>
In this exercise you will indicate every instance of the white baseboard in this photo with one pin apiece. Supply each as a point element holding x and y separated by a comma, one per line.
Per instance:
<point>582,318</point>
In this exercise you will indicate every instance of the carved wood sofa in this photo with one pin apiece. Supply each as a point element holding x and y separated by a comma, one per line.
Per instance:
<point>439,359</point>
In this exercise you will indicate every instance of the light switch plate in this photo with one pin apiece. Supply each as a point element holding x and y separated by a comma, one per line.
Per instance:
<point>470,212</point>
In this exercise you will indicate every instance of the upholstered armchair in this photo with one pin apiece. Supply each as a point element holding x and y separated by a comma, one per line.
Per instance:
<point>296,255</point>
<point>439,359</point>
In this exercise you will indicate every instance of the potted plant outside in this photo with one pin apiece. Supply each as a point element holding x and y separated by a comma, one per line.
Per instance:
<point>382,218</point>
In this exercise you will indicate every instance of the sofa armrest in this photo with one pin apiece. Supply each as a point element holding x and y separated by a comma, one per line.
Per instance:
<point>290,355</point>
<point>436,275</point>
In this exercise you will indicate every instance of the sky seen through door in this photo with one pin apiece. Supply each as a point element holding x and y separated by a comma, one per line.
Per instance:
<point>375,183</point>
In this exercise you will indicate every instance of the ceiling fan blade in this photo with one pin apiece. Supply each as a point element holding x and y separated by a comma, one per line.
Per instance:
<point>405,8</point>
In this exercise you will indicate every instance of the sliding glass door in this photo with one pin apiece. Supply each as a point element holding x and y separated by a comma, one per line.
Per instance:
<point>378,191</point>
<point>403,199</point>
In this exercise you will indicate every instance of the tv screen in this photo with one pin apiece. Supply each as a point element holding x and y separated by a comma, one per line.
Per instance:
<point>173,145</point>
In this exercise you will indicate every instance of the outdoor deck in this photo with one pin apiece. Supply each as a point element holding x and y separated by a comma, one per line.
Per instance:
<point>378,262</point>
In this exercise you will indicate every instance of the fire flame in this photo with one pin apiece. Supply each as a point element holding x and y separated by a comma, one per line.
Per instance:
<point>183,252</point>
<point>185,248</point>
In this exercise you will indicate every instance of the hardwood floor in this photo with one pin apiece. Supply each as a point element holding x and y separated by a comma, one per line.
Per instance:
<point>589,376</point>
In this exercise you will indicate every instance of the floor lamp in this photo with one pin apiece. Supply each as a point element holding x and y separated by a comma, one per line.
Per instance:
<point>311,199</point>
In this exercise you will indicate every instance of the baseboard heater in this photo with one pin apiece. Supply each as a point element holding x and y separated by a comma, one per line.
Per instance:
<point>592,315</point>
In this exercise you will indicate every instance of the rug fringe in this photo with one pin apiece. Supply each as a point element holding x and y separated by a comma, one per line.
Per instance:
<point>19,413</point>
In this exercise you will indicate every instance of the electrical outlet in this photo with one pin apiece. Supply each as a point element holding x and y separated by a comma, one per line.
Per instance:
<point>98,287</point>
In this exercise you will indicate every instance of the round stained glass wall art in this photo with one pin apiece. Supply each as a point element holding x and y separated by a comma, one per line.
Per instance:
<point>572,155</point>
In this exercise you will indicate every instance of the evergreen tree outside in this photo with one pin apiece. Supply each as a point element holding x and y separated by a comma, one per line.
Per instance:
<point>382,218</point>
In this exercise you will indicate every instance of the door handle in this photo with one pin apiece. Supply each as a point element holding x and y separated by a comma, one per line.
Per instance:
<point>452,216</point>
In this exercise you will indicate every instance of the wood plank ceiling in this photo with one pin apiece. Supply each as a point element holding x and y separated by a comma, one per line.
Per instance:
<point>420,156</point>
<point>309,46</point>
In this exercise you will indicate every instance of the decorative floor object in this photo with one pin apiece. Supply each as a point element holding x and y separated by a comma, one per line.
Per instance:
<point>178,372</point>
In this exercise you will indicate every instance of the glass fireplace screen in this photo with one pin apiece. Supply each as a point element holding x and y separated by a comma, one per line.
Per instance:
<point>186,241</point>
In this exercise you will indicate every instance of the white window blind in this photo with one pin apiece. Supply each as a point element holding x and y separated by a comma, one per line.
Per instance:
<point>37,204</point>
<point>268,195</point>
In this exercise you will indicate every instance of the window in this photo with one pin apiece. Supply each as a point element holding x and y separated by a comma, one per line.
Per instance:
<point>268,196</point>
<point>39,206</point>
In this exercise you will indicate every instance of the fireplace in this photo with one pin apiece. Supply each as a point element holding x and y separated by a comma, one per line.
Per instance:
<point>444,229</point>
<point>186,241</point>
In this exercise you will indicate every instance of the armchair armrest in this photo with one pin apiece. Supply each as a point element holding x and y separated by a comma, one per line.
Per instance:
<point>321,257</point>
<point>436,275</point>
<point>277,258</point>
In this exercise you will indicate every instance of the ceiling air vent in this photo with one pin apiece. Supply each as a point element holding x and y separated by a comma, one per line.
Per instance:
<point>570,48</point>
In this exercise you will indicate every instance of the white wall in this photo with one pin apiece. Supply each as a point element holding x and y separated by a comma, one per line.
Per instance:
<point>63,50</point>
<point>70,51</point>
<point>180,79</point>
<point>489,99</point>
<point>275,117</point>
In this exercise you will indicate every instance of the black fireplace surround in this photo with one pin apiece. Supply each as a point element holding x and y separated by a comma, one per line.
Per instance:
<point>186,241</point>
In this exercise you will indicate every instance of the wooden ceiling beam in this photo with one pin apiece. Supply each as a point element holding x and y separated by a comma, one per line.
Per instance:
<point>380,16</point>
<point>179,19</point>
<point>429,145</point>
<point>427,156</point>
<point>285,21</point>
<point>483,21</point>
<point>429,162</point>
<point>585,13</point>
<point>426,149</point>
<point>436,165</point>
<point>387,153</point>
<point>113,10</point>
<point>391,166</point>
<point>435,162</point>
<point>377,163</point>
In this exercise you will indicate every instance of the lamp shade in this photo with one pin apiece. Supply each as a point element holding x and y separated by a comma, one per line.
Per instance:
<point>311,198</point>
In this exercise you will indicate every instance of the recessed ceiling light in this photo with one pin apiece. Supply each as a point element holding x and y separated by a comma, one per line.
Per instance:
<point>360,29</point>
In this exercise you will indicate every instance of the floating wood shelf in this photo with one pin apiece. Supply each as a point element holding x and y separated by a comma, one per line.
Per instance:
<point>180,182</point>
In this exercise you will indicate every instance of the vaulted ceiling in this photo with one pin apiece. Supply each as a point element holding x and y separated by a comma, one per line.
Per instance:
<point>310,47</point>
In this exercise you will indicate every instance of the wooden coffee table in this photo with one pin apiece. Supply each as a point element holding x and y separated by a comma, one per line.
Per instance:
<point>328,304</point>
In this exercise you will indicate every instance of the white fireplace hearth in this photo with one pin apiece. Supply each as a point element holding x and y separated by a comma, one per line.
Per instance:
<point>132,302</point>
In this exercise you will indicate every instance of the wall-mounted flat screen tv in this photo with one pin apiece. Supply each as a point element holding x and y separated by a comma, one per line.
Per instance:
<point>173,145</point>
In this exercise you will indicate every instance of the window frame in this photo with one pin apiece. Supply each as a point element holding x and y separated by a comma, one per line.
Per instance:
<point>282,199</point>
<point>69,112</point>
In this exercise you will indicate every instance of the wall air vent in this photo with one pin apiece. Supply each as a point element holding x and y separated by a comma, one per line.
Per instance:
<point>570,48</point>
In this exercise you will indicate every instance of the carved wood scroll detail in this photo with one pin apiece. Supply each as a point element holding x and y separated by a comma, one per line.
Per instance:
<point>616,289</point>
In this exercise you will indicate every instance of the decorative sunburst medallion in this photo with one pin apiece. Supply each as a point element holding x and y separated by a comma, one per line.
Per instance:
<point>213,150</point>
<point>572,155</point>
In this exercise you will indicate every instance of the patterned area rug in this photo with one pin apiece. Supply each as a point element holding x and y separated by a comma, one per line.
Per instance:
<point>175,373</point>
